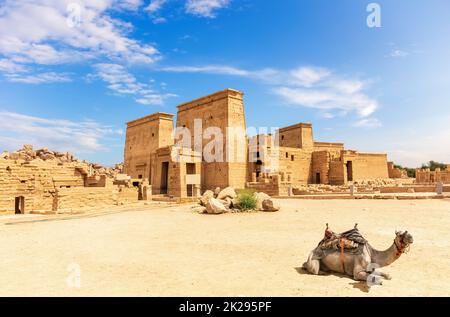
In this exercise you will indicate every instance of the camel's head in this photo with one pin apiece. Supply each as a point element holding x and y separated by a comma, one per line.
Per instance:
<point>403,239</point>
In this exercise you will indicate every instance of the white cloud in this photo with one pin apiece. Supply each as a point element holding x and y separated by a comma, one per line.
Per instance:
<point>8,66</point>
<point>320,88</point>
<point>131,5</point>
<point>307,86</point>
<point>62,135</point>
<point>39,78</point>
<point>398,53</point>
<point>205,8</point>
<point>159,20</point>
<point>155,5</point>
<point>208,69</point>
<point>40,32</point>
<point>122,82</point>
<point>307,76</point>
<point>368,123</point>
<point>265,74</point>
<point>328,99</point>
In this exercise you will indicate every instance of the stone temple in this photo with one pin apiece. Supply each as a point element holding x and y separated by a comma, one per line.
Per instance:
<point>300,160</point>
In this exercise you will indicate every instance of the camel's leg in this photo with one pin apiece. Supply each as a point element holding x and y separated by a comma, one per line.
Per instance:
<point>384,275</point>
<point>312,266</point>
<point>361,276</point>
<point>371,278</point>
<point>377,272</point>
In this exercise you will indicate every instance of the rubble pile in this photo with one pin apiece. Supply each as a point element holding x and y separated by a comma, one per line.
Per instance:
<point>226,200</point>
<point>28,154</point>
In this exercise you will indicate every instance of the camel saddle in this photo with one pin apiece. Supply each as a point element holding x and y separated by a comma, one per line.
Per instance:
<point>350,241</point>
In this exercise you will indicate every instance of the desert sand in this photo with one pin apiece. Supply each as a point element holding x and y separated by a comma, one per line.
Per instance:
<point>154,251</point>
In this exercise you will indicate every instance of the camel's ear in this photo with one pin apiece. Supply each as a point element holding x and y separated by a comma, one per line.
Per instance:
<point>397,232</point>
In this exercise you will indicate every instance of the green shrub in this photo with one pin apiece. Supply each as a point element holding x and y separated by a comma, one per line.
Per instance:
<point>247,201</point>
<point>432,165</point>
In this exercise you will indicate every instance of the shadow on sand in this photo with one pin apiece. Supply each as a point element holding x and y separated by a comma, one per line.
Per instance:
<point>361,285</point>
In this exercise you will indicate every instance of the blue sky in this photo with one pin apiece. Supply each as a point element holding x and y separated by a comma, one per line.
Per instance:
<point>73,72</point>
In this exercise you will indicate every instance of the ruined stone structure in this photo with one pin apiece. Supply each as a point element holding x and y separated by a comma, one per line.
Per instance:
<point>395,172</point>
<point>32,185</point>
<point>426,176</point>
<point>299,158</point>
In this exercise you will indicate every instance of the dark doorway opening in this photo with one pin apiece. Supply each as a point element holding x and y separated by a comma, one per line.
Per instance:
<point>190,170</point>
<point>20,205</point>
<point>164,177</point>
<point>350,171</point>
<point>317,178</point>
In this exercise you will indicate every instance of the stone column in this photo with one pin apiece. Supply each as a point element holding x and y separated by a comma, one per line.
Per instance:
<point>440,188</point>
<point>352,190</point>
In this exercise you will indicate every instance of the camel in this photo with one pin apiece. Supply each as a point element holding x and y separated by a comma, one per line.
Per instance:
<point>362,265</point>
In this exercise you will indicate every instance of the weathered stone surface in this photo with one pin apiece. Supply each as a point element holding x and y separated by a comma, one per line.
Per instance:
<point>260,197</point>
<point>215,207</point>
<point>216,191</point>
<point>270,206</point>
<point>57,182</point>
<point>200,210</point>
<point>227,192</point>
<point>207,195</point>
<point>227,202</point>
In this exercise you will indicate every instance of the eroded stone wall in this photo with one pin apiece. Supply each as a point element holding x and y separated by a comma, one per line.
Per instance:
<point>221,110</point>
<point>365,166</point>
<point>426,176</point>
<point>143,137</point>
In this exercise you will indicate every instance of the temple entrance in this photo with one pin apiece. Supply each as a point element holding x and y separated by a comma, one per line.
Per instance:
<point>20,205</point>
<point>164,177</point>
<point>317,178</point>
<point>349,171</point>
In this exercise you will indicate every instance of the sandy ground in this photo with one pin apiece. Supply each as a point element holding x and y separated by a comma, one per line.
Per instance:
<point>175,252</point>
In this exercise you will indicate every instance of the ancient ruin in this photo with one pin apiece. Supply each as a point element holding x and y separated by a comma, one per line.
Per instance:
<point>160,165</point>
<point>426,176</point>
<point>44,181</point>
<point>301,160</point>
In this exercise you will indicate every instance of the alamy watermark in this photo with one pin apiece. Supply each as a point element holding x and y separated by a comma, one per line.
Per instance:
<point>232,145</point>
<point>73,279</point>
<point>74,11</point>
<point>374,17</point>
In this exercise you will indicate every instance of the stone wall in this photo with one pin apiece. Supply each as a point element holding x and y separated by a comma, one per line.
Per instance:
<point>334,149</point>
<point>39,186</point>
<point>297,136</point>
<point>143,137</point>
<point>37,182</point>
<point>365,166</point>
<point>73,199</point>
<point>301,160</point>
<point>395,172</point>
<point>426,176</point>
<point>221,110</point>
<point>320,167</point>
<point>337,175</point>
<point>295,165</point>
<point>176,172</point>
